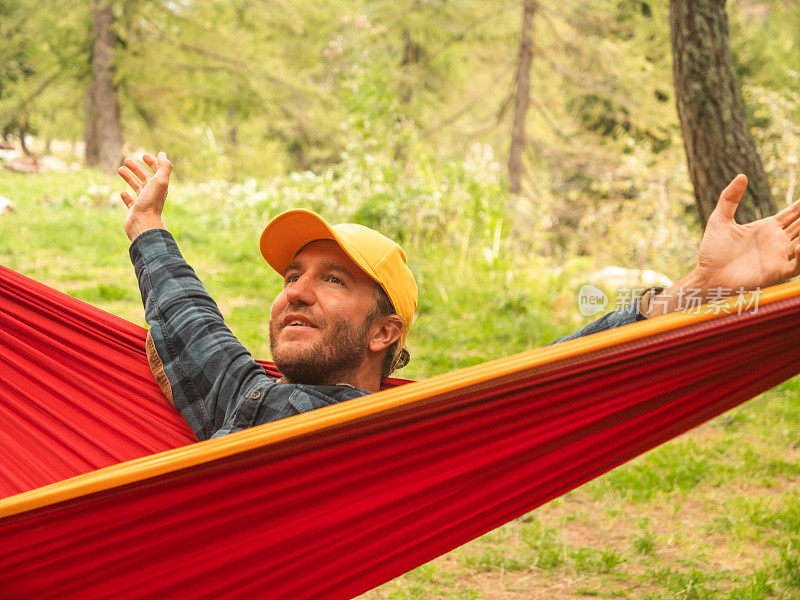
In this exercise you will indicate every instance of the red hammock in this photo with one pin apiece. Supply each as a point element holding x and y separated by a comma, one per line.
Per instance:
<point>76,393</point>
<point>330,503</point>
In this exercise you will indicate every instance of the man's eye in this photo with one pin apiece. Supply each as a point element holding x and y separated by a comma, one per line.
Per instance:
<point>292,278</point>
<point>335,279</point>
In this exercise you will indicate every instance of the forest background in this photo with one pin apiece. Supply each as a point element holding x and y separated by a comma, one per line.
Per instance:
<point>405,116</point>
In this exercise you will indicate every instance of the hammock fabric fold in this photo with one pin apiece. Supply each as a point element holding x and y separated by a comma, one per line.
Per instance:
<point>333,502</point>
<point>76,393</point>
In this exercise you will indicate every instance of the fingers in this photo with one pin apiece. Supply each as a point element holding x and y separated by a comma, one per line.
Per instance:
<point>730,197</point>
<point>163,163</point>
<point>138,169</point>
<point>131,179</point>
<point>127,199</point>
<point>793,229</point>
<point>136,176</point>
<point>790,214</point>
<point>150,161</point>
<point>794,264</point>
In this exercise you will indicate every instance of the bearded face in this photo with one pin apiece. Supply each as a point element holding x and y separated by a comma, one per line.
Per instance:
<point>321,322</point>
<point>329,354</point>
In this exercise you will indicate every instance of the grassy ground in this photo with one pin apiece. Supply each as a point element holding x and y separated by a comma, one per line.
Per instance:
<point>712,514</point>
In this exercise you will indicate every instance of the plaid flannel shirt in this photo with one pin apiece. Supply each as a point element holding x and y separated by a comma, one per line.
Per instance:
<point>206,372</point>
<point>618,318</point>
<point>199,364</point>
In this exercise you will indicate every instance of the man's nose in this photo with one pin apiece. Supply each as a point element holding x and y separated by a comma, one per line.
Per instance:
<point>301,292</point>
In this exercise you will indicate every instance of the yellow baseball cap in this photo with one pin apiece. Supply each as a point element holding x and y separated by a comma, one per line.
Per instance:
<point>378,256</point>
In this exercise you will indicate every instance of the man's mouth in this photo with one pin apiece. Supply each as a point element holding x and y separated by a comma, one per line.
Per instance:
<point>298,321</point>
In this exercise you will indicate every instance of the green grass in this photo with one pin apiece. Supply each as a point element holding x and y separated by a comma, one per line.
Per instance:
<point>644,541</point>
<point>714,513</point>
<point>473,307</point>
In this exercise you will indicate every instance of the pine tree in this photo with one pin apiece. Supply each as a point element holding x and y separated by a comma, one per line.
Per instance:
<point>521,97</point>
<point>716,136</point>
<point>103,129</point>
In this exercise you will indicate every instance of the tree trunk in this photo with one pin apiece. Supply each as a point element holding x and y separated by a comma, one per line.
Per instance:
<point>23,132</point>
<point>522,97</point>
<point>233,128</point>
<point>717,139</point>
<point>103,130</point>
<point>233,142</point>
<point>411,53</point>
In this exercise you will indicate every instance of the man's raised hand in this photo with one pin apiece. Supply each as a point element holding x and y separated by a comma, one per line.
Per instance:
<point>758,254</point>
<point>144,211</point>
<point>736,257</point>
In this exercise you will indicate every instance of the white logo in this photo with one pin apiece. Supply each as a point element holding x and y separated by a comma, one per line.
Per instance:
<point>591,300</point>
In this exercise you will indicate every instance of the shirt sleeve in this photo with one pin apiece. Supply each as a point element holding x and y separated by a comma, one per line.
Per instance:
<point>618,318</point>
<point>196,360</point>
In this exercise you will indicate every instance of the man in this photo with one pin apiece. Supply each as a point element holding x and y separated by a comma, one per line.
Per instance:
<point>340,323</point>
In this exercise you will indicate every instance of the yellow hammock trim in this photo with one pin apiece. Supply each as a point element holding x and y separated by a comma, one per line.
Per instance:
<point>201,452</point>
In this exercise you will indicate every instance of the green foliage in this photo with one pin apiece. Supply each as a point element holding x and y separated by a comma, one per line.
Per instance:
<point>644,542</point>
<point>790,565</point>
<point>255,89</point>
<point>41,67</point>
<point>686,586</point>
<point>548,551</point>
<point>759,588</point>
<point>677,466</point>
<point>775,115</point>
<point>595,560</point>
<point>397,115</point>
<point>495,558</point>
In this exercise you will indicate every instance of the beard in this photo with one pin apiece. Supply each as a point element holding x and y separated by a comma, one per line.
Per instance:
<point>328,361</point>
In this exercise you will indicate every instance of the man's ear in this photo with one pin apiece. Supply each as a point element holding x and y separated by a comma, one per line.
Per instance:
<point>389,330</point>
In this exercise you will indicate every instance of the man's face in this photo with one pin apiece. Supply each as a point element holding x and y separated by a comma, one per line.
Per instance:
<point>320,323</point>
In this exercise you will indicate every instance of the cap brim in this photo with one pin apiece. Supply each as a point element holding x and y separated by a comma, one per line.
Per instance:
<point>288,233</point>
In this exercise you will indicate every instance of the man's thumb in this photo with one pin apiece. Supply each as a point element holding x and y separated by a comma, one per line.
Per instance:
<point>730,197</point>
<point>163,162</point>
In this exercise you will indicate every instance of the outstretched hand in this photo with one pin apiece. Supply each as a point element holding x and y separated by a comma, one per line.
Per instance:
<point>758,254</point>
<point>144,211</point>
<point>738,258</point>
